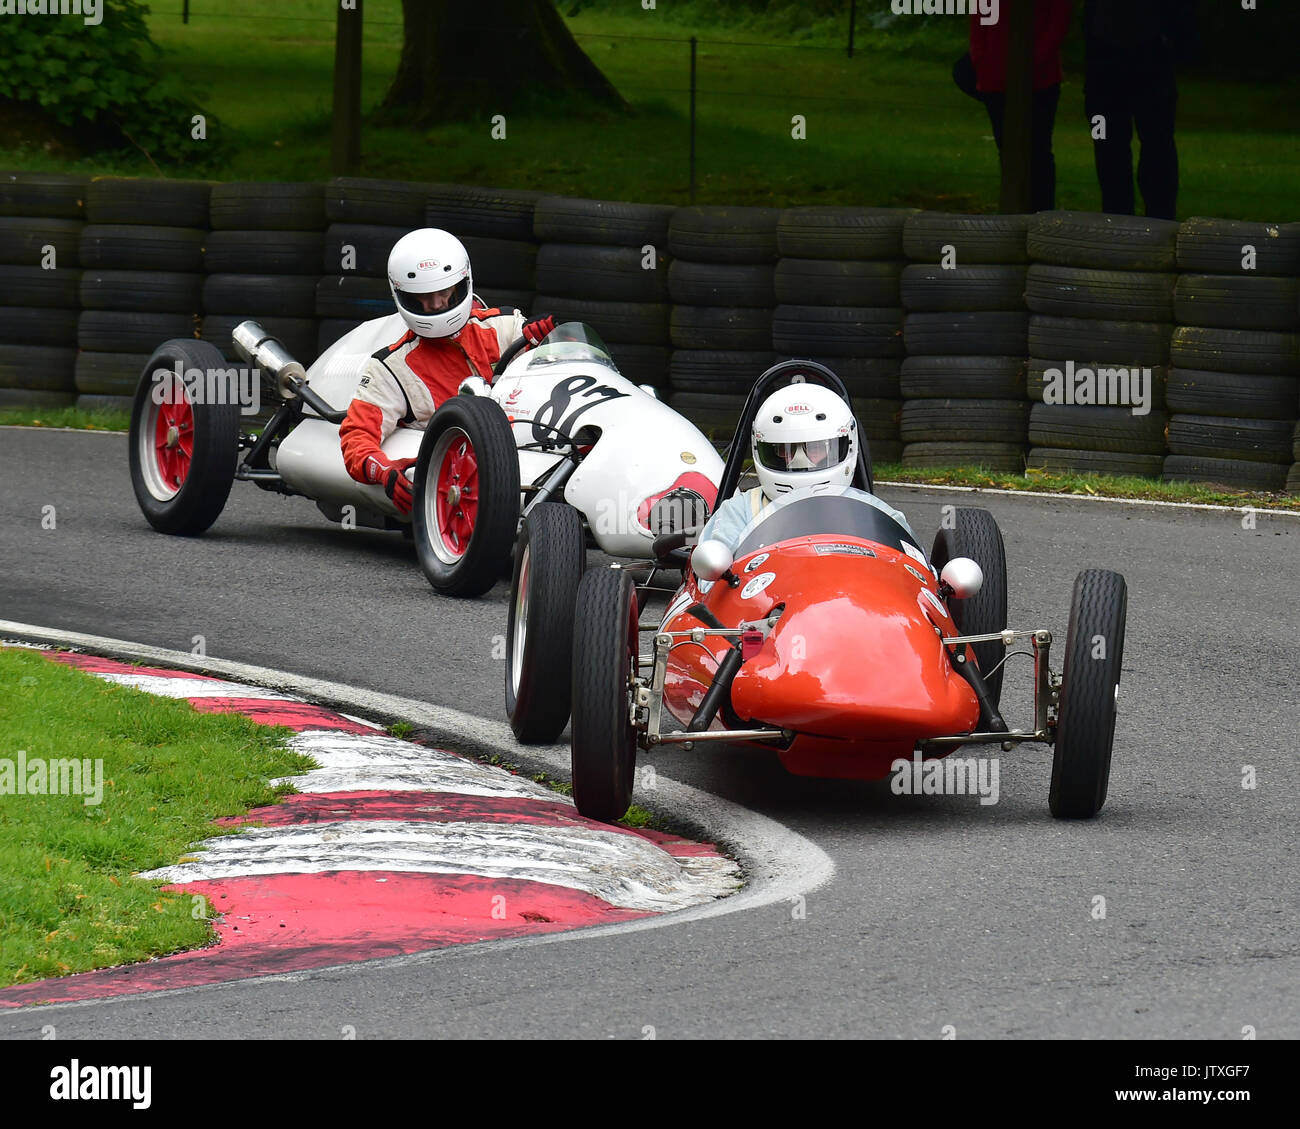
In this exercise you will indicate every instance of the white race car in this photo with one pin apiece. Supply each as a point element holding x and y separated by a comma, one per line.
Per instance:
<point>558,424</point>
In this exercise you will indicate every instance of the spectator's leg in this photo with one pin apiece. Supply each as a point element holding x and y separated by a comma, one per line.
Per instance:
<point>1105,95</point>
<point>1157,171</point>
<point>1042,177</point>
<point>995,103</point>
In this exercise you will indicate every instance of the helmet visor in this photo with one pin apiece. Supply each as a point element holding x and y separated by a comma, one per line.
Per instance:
<point>433,302</point>
<point>813,454</point>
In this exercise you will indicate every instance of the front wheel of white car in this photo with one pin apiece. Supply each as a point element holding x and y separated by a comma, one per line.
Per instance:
<point>549,561</point>
<point>466,496</point>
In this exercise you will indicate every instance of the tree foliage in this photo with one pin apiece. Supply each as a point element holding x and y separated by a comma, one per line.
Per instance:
<point>106,81</point>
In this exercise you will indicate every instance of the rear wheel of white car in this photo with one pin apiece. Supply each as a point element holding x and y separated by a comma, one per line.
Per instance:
<point>549,562</point>
<point>603,738</point>
<point>466,505</point>
<point>183,450</point>
<point>975,534</point>
<point>1085,729</point>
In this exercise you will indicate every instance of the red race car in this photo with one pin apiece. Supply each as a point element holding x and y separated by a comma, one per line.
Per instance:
<point>829,634</point>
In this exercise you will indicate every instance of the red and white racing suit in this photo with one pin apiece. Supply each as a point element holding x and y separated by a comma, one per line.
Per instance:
<point>405,383</point>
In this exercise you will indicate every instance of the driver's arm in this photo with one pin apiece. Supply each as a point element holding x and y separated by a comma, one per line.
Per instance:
<point>377,406</point>
<point>727,522</point>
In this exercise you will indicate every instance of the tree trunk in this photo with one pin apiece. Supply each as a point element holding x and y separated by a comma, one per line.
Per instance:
<point>462,60</point>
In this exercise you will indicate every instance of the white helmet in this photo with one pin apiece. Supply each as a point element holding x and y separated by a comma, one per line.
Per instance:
<point>429,275</point>
<point>804,435</point>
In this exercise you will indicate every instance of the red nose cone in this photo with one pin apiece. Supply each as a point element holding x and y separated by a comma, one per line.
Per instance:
<point>854,656</point>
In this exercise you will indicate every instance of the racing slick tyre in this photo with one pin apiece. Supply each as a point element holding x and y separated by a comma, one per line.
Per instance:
<point>1085,728</point>
<point>603,738</point>
<point>549,562</point>
<point>183,451</point>
<point>974,533</point>
<point>466,508</point>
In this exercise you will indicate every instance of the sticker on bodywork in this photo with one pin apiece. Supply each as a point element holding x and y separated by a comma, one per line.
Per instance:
<point>935,602</point>
<point>919,576</point>
<point>755,586</point>
<point>915,553</point>
<point>758,560</point>
<point>849,550</point>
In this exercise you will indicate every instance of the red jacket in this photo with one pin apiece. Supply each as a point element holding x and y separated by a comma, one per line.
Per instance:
<point>406,382</point>
<point>988,45</point>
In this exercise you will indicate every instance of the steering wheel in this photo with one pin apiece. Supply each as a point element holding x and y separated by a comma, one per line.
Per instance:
<point>512,351</point>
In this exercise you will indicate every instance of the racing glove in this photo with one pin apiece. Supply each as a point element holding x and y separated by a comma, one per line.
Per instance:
<point>534,331</point>
<point>391,475</point>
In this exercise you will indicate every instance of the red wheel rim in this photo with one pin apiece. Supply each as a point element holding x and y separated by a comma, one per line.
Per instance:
<point>174,441</point>
<point>456,508</point>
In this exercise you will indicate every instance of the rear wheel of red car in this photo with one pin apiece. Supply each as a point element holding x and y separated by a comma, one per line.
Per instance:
<point>1085,729</point>
<point>183,450</point>
<point>466,507</point>
<point>549,562</point>
<point>974,533</point>
<point>602,737</point>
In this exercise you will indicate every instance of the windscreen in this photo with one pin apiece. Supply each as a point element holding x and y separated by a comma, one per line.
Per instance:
<point>572,341</point>
<point>804,512</point>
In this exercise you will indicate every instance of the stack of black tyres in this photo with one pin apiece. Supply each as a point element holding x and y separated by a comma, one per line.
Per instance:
<point>141,283</point>
<point>263,260</point>
<point>40,232</point>
<point>963,381</point>
<point>496,226</point>
<point>605,263</point>
<point>837,292</point>
<point>365,217</point>
<point>722,285</point>
<point>1233,387</point>
<point>1101,293</point>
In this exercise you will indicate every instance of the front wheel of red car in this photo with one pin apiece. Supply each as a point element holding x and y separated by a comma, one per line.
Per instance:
<point>1085,729</point>
<point>184,444</point>
<point>466,507</point>
<point>602,736</point>
<point>974,533</point>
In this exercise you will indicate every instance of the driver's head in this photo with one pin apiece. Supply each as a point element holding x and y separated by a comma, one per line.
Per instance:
<point>429,275</point>
<point>804,435</point>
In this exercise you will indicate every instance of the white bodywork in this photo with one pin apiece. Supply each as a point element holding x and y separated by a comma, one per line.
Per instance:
<point>645,449</point>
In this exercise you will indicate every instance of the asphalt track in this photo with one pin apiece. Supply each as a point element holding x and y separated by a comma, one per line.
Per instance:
<point>941,911</point>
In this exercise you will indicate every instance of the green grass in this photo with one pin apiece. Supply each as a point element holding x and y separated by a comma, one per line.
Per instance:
<point>65,417</point>
<point>1096,485</point>
<point>886,127</point>
<point>68,901</point>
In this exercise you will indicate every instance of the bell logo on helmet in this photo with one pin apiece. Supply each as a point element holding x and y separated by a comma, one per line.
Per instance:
<point>428,264</point>
<point>796,409</point>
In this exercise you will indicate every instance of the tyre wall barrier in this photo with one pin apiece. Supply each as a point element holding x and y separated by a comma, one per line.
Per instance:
<point>1062,341</point>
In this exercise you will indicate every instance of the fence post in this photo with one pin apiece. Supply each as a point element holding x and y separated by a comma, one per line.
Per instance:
<point>346,140</point>
<point>853,19</point>
<point>185,12</point>
<point>692,119</point>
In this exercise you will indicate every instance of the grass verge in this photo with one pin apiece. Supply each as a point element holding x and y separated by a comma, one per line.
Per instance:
<point>65,417</point>
<point>1094,485</point>
<point>68,898</point>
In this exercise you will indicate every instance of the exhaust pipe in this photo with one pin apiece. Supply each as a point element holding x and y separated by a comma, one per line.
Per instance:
<point>267,353</point>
